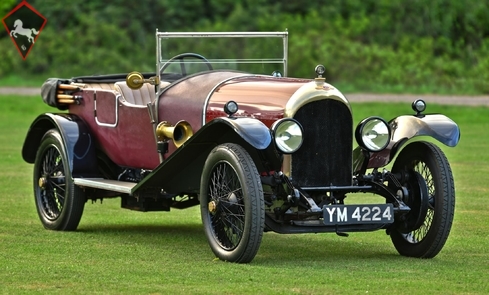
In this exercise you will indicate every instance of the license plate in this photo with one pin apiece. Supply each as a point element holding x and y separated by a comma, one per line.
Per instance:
<point>358,214</point>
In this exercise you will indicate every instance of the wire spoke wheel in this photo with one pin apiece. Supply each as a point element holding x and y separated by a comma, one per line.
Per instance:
<point>228,218</point>
<point>421,232</point>
<point>428,238</point>
<point>53,187</point>
<point>59,202</point>
<point>232,205</point>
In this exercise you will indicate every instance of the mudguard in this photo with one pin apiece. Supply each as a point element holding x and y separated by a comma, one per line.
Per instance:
<point>404,128</point>
<point>181,171</point>
<point>253,131</point>
<point>79,143</point>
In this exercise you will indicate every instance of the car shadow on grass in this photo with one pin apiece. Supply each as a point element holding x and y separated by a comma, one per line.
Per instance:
<point>326,247</point>
<point>146,231</point>
<point>190,238</point>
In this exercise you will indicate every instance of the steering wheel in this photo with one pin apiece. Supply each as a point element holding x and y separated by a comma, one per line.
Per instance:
<point>181,56</point>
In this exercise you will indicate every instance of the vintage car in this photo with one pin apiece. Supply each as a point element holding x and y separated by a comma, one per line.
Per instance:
<point>257,150</point>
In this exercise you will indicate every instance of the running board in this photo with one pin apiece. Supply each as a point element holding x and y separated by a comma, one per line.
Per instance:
<point>106,184</point>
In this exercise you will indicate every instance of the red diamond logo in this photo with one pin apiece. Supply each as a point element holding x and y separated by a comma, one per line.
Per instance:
<point>24,24</point>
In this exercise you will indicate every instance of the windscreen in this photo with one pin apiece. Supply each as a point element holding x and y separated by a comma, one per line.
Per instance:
<point>251,52</point>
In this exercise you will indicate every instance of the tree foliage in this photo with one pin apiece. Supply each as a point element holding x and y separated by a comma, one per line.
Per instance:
<point>362,42</point>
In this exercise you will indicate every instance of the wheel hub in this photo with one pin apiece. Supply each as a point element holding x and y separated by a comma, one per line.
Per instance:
<point>418,201</point>
<point>42,182</point>
<point>212,207</point>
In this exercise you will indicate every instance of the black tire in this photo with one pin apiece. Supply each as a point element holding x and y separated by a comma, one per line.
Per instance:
<point>59,202</point>
<point>431,163</point>
<point>232,204</point>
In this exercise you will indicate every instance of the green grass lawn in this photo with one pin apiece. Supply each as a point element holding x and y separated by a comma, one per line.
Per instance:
<point>117,251</point>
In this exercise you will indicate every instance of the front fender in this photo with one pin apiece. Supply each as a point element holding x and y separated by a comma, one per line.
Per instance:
<point>79,143</point>
<point>404,128</point>
<point>440,127</point>
<point>253,131</point>
<point>181,171</point>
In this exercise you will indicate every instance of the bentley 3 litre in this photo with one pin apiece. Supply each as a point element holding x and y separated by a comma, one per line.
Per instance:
<point>257,150</point>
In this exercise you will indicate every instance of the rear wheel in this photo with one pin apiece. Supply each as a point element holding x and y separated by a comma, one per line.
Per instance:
<point>232,204</point>
<point>429,235</point>
<point>59,202</point>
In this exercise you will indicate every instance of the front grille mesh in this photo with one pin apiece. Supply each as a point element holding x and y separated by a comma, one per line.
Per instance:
<point>325,157</point>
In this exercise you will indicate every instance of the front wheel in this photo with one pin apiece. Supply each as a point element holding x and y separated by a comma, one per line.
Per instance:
<point>427,238</point>
<point>59,202</point>
<point>232,204</point>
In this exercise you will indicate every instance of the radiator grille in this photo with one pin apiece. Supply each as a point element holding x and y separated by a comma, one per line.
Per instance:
<point>325,157</point>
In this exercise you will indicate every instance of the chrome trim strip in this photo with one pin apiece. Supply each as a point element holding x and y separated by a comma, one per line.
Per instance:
<point>286,50</point>
<point>221,34</point>
<point>106,184</point>
<point>158,58</point>
<point>206,101</point>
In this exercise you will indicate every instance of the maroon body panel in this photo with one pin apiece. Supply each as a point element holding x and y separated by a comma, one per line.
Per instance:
<point>131,142</point>
<point>124,131</point>
<point>260,97</point>
<point>185,100</point>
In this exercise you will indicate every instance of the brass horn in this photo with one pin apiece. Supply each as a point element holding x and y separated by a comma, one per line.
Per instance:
<point>135,80</point>
<point>179,133</point>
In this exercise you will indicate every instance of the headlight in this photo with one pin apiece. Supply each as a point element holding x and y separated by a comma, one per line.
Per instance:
<point>287,135</point>
<point>230,108</point>
<point>419,106</point>
<point>373,134</point>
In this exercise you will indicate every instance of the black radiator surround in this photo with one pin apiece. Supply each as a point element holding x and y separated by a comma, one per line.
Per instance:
<point>325,157</point>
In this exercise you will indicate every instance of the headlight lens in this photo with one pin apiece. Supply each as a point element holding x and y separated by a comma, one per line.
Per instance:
<point>230,107</point>
<point>288,135</point>
<point>419,106</point>
<point>373,134</point>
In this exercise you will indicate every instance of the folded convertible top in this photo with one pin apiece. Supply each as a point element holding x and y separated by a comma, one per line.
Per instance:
<point>49,91</point>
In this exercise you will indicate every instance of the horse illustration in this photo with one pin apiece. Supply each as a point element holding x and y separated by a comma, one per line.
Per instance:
<point>18,29</point>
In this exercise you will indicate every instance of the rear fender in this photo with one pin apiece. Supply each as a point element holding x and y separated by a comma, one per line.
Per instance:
<point>79,143</point>
<point>181,171</point>
<point>404,129</point>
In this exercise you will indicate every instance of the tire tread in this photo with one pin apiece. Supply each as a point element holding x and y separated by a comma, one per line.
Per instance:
<point>441,225</point>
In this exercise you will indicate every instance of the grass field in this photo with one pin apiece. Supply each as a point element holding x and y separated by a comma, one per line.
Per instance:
<point>116,251</point>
